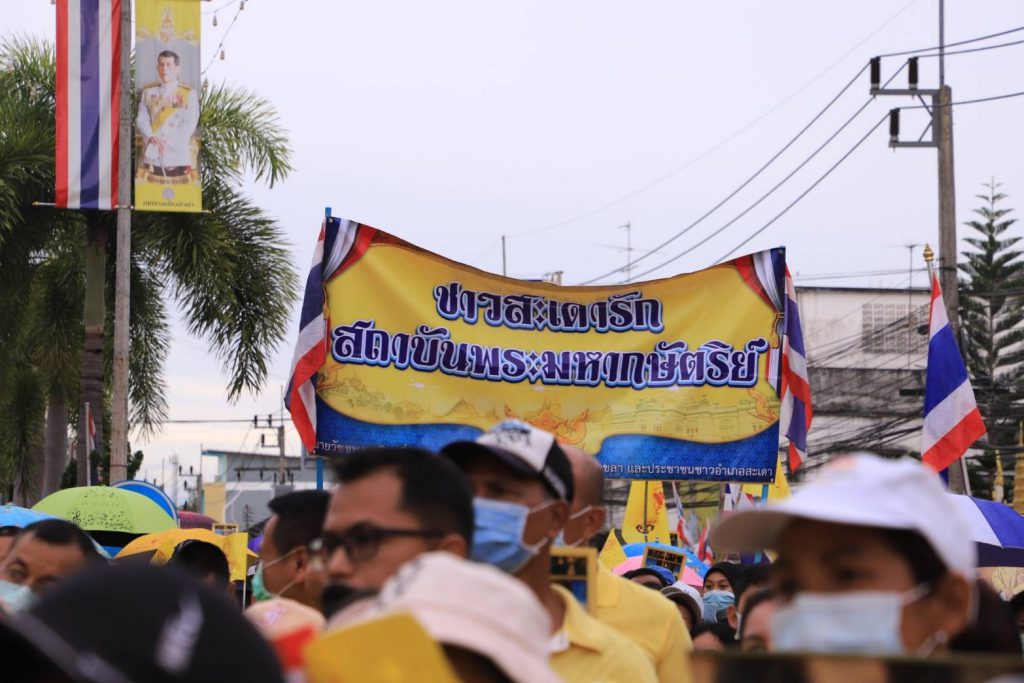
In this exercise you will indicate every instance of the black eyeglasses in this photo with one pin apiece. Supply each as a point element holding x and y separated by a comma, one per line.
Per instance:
<point>362,541</point>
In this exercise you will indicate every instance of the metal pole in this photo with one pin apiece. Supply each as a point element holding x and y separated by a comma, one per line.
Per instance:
<point>84,463</point>
<point>504,262</point>
<point>942,43</point>
<point>122,270</point>
<point>281,469</point>
<point>646,493</point>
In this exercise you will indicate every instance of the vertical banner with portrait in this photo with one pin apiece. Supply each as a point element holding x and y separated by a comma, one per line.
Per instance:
<point>167,94</point>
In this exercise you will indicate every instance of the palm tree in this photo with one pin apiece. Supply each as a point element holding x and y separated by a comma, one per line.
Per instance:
<point>227,270</point>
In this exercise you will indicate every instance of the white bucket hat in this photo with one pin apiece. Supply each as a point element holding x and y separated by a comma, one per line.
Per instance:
<point>862,490</point>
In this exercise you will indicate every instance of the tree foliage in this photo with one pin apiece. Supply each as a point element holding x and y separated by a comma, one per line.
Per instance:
<point>226,271</point>
<point>992,292</point>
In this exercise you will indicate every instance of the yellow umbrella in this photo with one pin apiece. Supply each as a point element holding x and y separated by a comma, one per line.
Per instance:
<point>163,543</point>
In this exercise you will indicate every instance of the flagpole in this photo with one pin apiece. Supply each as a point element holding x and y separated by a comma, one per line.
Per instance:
<point>646,493</point>
<point>959,482</point>
<point>122,268</point>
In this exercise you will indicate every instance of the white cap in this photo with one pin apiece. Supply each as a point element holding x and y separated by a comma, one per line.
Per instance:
<point>685,593</point>
<point>475,607</point>
<point>862,490</point>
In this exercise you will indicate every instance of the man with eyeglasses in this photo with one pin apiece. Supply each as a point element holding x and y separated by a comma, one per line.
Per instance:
<point>524,488</point>
<point>391,505</point>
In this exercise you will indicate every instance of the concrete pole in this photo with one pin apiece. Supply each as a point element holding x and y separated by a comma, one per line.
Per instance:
<point>122,269</point>
<point>281,468</point>
<point>958,481</point>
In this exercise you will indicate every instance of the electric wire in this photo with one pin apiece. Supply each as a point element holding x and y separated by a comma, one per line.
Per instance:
<point>959,103</point>
<point>960,42</point>
<point>770,191</point>
<point>746,182</point>
<point>722,143</point>
<point>804,193</point>
<point>976,49</point>
<point>224,37</point>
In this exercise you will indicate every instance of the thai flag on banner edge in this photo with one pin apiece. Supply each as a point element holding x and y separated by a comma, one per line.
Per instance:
<point>795,409</point>
<point>337,239</point>
<point>952,421</point>
<point>88,103</point>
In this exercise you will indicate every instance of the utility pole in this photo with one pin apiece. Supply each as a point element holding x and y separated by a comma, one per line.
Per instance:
<point>504,263</point>
<point>175,470</point>
<point>119,407</point>
<point>941,126</point>
<point>282,468</point>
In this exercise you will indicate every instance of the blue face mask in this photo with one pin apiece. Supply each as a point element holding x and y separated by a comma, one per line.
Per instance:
<point>498,534</point>
<point>716,604</point>
<point>15,597</point>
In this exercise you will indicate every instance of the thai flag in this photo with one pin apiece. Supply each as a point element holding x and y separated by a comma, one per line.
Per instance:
<point>704,552</point>
<point>682,539</point>
<point>88,103</point>
<point>795,410</point>
<point>90,430</point>
<point>952,421</point>
<point>340,243</point>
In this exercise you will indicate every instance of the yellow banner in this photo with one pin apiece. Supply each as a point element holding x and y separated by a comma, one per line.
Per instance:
<point>667,379</point>
<point>167,93</point>
<point>646,518</point>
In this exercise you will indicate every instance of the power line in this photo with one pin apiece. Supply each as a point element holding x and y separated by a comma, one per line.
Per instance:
<point>194,422</point>
<point>241,6</point>
<point>746,182</point>
<point>804,193</point>
<point>218,9</point>
<point>719,145</point>
<point>948,45</point>
<point>976,101</point>
<point>976,49</point>
<point>855,274</point>
<point>771,191</point>
<point>781,213</point>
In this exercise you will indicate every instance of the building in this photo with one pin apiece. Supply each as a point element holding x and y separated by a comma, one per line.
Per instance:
<point>867,351</point>
<point>251,480</point>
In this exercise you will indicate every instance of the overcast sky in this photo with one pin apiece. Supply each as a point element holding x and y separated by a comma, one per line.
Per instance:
<point>453,123</point>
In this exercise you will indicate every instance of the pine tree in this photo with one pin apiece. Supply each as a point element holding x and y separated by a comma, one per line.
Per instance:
<point>991,321</point>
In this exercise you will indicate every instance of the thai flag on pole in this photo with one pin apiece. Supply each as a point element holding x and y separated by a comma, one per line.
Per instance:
<point>704,552</point>
<point>90,430</point>
<point>795,410</point>
<point>88,103</point>
<point>952,421</point>
<point>339,239</point>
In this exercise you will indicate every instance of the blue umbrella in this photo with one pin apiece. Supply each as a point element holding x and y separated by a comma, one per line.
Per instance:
<point>997,529</point>
<point>12,515</point>
<point>634,549</point>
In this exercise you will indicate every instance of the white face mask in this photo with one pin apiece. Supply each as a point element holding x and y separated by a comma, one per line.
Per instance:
<point>15,597</point>
<point>858,622</point>
<point>560,541</point>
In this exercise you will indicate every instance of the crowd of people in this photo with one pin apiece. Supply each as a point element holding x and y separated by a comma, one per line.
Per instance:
<point>441,563</point>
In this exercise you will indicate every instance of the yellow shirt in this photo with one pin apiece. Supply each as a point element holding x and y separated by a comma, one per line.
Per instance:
<point>648,619</point>
<point>587,651</point>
